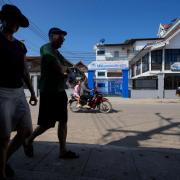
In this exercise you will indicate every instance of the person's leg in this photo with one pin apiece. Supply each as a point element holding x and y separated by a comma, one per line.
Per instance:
<point>62,128</point>
<point>38,131</point>
<point>18,140</point>
<point>3,155</point>
<point>62,135</point>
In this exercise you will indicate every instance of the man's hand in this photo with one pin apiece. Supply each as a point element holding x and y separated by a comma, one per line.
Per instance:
<point>33,100</point>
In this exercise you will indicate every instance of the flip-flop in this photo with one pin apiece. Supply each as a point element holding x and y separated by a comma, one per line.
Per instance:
<point>69,155</point>
<point>28,149</point>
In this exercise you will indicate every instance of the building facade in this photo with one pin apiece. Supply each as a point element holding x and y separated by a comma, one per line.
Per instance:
<point>111,59</point>
<point>155,70</point>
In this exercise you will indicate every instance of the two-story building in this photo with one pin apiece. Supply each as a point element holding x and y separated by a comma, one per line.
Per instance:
<point>111,59</point>
<point>155,69</point>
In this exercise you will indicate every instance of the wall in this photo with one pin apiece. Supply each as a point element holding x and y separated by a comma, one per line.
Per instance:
<point>168,94</point>
<point>109,53</point>
<point>138,45</point>
<point>174,43</point>
<point>144,94</point>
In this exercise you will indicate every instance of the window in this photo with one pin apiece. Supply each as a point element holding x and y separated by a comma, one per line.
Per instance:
<point>101,74</point>
<point>145,63</point>
<point>100,52</point>
<point>138,67</point>
<point>171,82</point>
<point>114,74</point>
<point>156,60</point>
<point>132,70</point>
<point>171,56</point>
<point>116,54</point>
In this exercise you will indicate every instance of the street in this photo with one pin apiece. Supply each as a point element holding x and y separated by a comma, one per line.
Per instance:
<point>132,123</point>
<point>138,140</point>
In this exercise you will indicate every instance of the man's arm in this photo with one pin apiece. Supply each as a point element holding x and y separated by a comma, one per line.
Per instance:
<point>26,78</point>
<point>54,64</point>
<point>85,88</point>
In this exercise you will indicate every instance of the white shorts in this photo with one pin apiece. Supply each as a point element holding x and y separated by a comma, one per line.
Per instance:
<point>14,111</point>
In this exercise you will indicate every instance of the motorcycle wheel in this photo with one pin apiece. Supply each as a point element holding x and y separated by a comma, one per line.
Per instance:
<point>73,106</point>
<point>105,107</point>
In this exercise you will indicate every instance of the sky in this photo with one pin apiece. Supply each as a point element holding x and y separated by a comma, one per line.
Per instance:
<point>89,21</point>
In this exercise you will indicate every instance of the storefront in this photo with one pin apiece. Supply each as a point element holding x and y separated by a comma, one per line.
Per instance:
<point>111,78</point>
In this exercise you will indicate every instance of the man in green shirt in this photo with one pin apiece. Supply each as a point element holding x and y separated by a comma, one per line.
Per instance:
<point>53,98</point>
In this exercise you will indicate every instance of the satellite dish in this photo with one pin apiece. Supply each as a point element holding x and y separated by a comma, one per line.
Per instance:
<point>102,41</point>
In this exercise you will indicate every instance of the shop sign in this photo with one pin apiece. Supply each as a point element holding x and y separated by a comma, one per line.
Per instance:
<point>105,65</point>
<point>175,66</point>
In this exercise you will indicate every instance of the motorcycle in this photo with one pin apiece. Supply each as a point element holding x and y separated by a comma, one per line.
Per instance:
<point>97,101</point>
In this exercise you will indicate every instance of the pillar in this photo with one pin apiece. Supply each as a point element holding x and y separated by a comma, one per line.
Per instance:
<point>161,85</point>
<point>91,79</point>
<point>125,90</point>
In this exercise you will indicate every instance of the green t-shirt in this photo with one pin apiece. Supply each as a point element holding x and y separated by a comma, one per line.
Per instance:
<point>52,76</point>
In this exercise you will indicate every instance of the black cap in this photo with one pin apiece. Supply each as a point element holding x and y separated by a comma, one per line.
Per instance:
<point>56,30</point>
<point>12,12</point>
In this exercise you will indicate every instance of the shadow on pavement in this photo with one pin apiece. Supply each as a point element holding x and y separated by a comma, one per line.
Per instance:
<point>97,163</point>
<point>96,111</point>
<point>133,140</point>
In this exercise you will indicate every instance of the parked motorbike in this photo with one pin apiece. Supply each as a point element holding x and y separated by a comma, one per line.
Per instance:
<point>97,101</point>
<point>178,91</point>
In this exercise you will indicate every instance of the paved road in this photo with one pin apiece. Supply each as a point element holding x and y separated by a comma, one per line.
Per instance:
<point>132,123</point>
<point>139,140</point>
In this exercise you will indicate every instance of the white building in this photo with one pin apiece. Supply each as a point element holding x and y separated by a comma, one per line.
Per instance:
<point>111,59</point>
<point>155,70</point>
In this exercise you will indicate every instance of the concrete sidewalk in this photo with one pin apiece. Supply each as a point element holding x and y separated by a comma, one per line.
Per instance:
<point>97,162</point>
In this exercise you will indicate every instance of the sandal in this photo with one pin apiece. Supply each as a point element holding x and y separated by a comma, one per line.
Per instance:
<point>69,155</point>
<point>28,149</point>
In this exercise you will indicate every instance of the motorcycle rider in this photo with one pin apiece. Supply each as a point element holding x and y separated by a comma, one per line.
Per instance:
<point>85,92</point>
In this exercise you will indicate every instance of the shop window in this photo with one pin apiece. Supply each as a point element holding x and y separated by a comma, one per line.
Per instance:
<point>100,85</point>
<point>171,56</point>
<point>171,82</point>
<point>156,60</point>
<point>101,74</point>
<point>114,74</point>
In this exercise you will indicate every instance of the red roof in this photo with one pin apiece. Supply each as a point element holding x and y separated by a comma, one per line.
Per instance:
<point>166,26</point>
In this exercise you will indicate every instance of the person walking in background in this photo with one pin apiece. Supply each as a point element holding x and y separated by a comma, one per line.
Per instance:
<point>14,109</point>
<point>53,98</point>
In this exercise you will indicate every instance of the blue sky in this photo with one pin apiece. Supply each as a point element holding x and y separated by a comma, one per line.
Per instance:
<point>88,21</point>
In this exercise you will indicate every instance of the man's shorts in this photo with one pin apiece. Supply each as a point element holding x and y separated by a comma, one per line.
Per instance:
<point>52,108</point>
<point>14,111</point>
